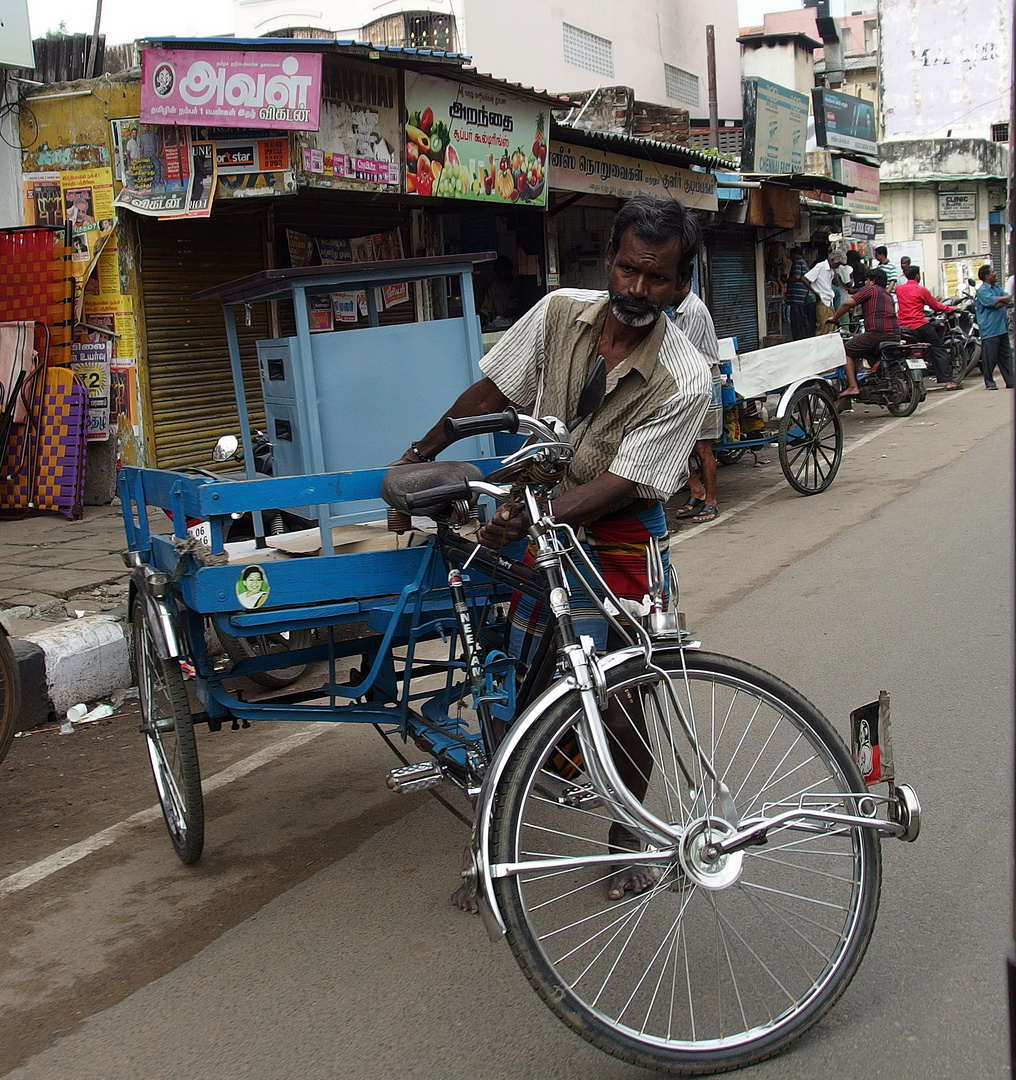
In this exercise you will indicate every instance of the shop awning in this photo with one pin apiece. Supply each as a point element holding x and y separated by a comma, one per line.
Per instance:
<point>804,182</point>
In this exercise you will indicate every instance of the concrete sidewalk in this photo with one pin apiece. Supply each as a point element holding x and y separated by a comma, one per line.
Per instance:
<point>63,599</point>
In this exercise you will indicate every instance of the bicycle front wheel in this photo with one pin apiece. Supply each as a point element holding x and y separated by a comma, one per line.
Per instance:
<point>711,967</point>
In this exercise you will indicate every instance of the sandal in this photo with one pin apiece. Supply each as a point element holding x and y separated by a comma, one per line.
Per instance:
<point>690,508</point>
<point>707,513</point>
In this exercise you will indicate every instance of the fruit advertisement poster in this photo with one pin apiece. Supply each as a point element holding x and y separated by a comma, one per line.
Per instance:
<point>471,142</point>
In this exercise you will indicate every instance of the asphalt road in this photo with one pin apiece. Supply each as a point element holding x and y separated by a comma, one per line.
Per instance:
<point>315,939</point>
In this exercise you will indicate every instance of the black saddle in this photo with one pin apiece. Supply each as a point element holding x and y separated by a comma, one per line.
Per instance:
<point>405,480</point>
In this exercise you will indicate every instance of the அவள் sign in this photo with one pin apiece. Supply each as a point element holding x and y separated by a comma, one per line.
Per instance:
<point>578,168</point>
<point>774,126</point>
<point>231,89</point>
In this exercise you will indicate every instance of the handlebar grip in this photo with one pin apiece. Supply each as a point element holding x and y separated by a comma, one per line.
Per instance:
<point>461,427</point>
<point>436,496</point>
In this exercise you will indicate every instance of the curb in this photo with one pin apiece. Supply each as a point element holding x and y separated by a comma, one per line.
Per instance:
<point>83,660</point>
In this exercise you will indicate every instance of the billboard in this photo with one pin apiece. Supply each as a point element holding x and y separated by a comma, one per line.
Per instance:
<point>775,123</point>
<point>845,122</point>
<point>459,142</point>
<point>15,36</point>
<point>944,66</point>
<point>231,89</point>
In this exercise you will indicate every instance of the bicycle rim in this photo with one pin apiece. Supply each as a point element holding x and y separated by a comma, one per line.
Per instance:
<point>690,977</point>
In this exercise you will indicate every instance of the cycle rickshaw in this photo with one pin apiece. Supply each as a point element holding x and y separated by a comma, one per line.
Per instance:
<point>762,835</point>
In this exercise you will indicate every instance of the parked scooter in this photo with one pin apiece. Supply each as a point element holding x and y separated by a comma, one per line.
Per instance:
<point>276,522</point>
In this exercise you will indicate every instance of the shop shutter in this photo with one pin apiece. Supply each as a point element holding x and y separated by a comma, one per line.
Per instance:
<point>190,385</point>
<point>733,299</point>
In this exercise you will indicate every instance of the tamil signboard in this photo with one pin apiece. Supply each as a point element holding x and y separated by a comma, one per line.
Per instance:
<point>957,206</point>
<point>775,124</point>
<point>474,142</point>
<point>597,172</point>
<point>844,121</point>
<point>194,87</point>
<point>865,200</point>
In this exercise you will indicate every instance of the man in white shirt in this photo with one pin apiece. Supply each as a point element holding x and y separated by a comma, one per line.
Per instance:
<point>821,279</point>
<point>692,318</point>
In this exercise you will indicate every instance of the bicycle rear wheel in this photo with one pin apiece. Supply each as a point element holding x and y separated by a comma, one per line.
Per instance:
<point>710,968</point>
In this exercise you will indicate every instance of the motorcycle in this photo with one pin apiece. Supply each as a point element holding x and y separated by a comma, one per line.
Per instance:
<point>894,382</point>
<point>276,522</point>
<point>960,333</point>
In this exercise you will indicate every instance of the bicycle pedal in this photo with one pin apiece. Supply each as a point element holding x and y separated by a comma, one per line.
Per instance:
<point>582,797</point>
<point>417,777</point>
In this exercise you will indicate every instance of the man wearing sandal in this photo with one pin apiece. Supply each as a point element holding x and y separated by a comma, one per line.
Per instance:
<point>692,318</point>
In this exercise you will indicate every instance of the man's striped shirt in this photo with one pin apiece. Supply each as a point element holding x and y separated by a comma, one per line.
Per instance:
<point>656,398</point>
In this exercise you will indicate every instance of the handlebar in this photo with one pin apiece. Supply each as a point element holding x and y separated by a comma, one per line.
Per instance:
<point>460,427</point>
<point>436,496</point>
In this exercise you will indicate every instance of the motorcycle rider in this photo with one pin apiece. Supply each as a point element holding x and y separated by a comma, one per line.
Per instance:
<point>880,325</point>
<point>912,298</point>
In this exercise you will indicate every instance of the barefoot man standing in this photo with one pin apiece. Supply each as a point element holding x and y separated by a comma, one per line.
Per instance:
<point>631,451</point>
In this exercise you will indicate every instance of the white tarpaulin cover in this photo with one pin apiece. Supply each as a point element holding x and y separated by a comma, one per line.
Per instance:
<point>756,373</point>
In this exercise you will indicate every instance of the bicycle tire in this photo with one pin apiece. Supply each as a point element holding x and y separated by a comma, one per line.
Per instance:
<point>10,694</point>
<point>797,934</point>
<point>169,739</point>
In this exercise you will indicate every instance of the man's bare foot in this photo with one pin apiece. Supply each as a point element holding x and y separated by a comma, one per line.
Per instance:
<point>464,896</point>
<point>630,877</point>
<point>849,393</point>
<point>633,878</point>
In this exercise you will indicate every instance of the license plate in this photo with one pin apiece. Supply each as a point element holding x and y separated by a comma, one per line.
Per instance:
<point>202,532</point>
<point>915,363</point>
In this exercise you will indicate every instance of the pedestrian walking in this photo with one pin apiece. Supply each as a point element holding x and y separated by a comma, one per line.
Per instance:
<point>892,271</point>
<point>991,304</point>
<point>799,298</point>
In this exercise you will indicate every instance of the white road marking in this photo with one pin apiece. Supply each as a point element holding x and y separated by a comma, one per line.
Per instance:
<point>30,875</point>
<point>35,873</point>
<point>747,504</point>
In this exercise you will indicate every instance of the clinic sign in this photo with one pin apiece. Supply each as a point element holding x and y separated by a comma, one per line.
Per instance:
<point>774,126</point>
<point>596,172</point>
<point>231,89</point>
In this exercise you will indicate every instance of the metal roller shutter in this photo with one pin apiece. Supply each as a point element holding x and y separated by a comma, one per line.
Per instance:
<point>189,381</point>
<point>732,287</point>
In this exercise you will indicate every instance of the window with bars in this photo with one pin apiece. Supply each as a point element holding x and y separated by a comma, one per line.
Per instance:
<point>682,85</point>
<point>1000,132</point>
<point>588,51</point>
<point>414,30</point>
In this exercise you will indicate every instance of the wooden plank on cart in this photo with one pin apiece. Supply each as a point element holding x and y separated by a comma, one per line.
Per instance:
<point>758,373</point>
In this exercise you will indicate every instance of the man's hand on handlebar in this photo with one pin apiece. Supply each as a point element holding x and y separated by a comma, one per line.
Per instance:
<point>505,527</point>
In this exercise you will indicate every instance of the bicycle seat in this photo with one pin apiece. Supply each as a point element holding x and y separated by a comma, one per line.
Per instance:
<point>403,480</point>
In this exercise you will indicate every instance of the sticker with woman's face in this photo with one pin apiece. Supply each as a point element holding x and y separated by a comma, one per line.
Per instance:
<point>252,586</point>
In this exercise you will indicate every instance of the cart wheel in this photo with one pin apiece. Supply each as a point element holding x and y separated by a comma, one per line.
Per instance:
<point>243,648</point>
<point>169,735</point>
<point>811,440</point>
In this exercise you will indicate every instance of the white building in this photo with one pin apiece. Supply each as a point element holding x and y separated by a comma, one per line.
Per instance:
<point>945,115</point>
<point>658,47</point>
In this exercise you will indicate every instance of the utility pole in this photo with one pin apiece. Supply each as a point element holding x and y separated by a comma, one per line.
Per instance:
<point>714,121</point>
<point>93,48</point>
